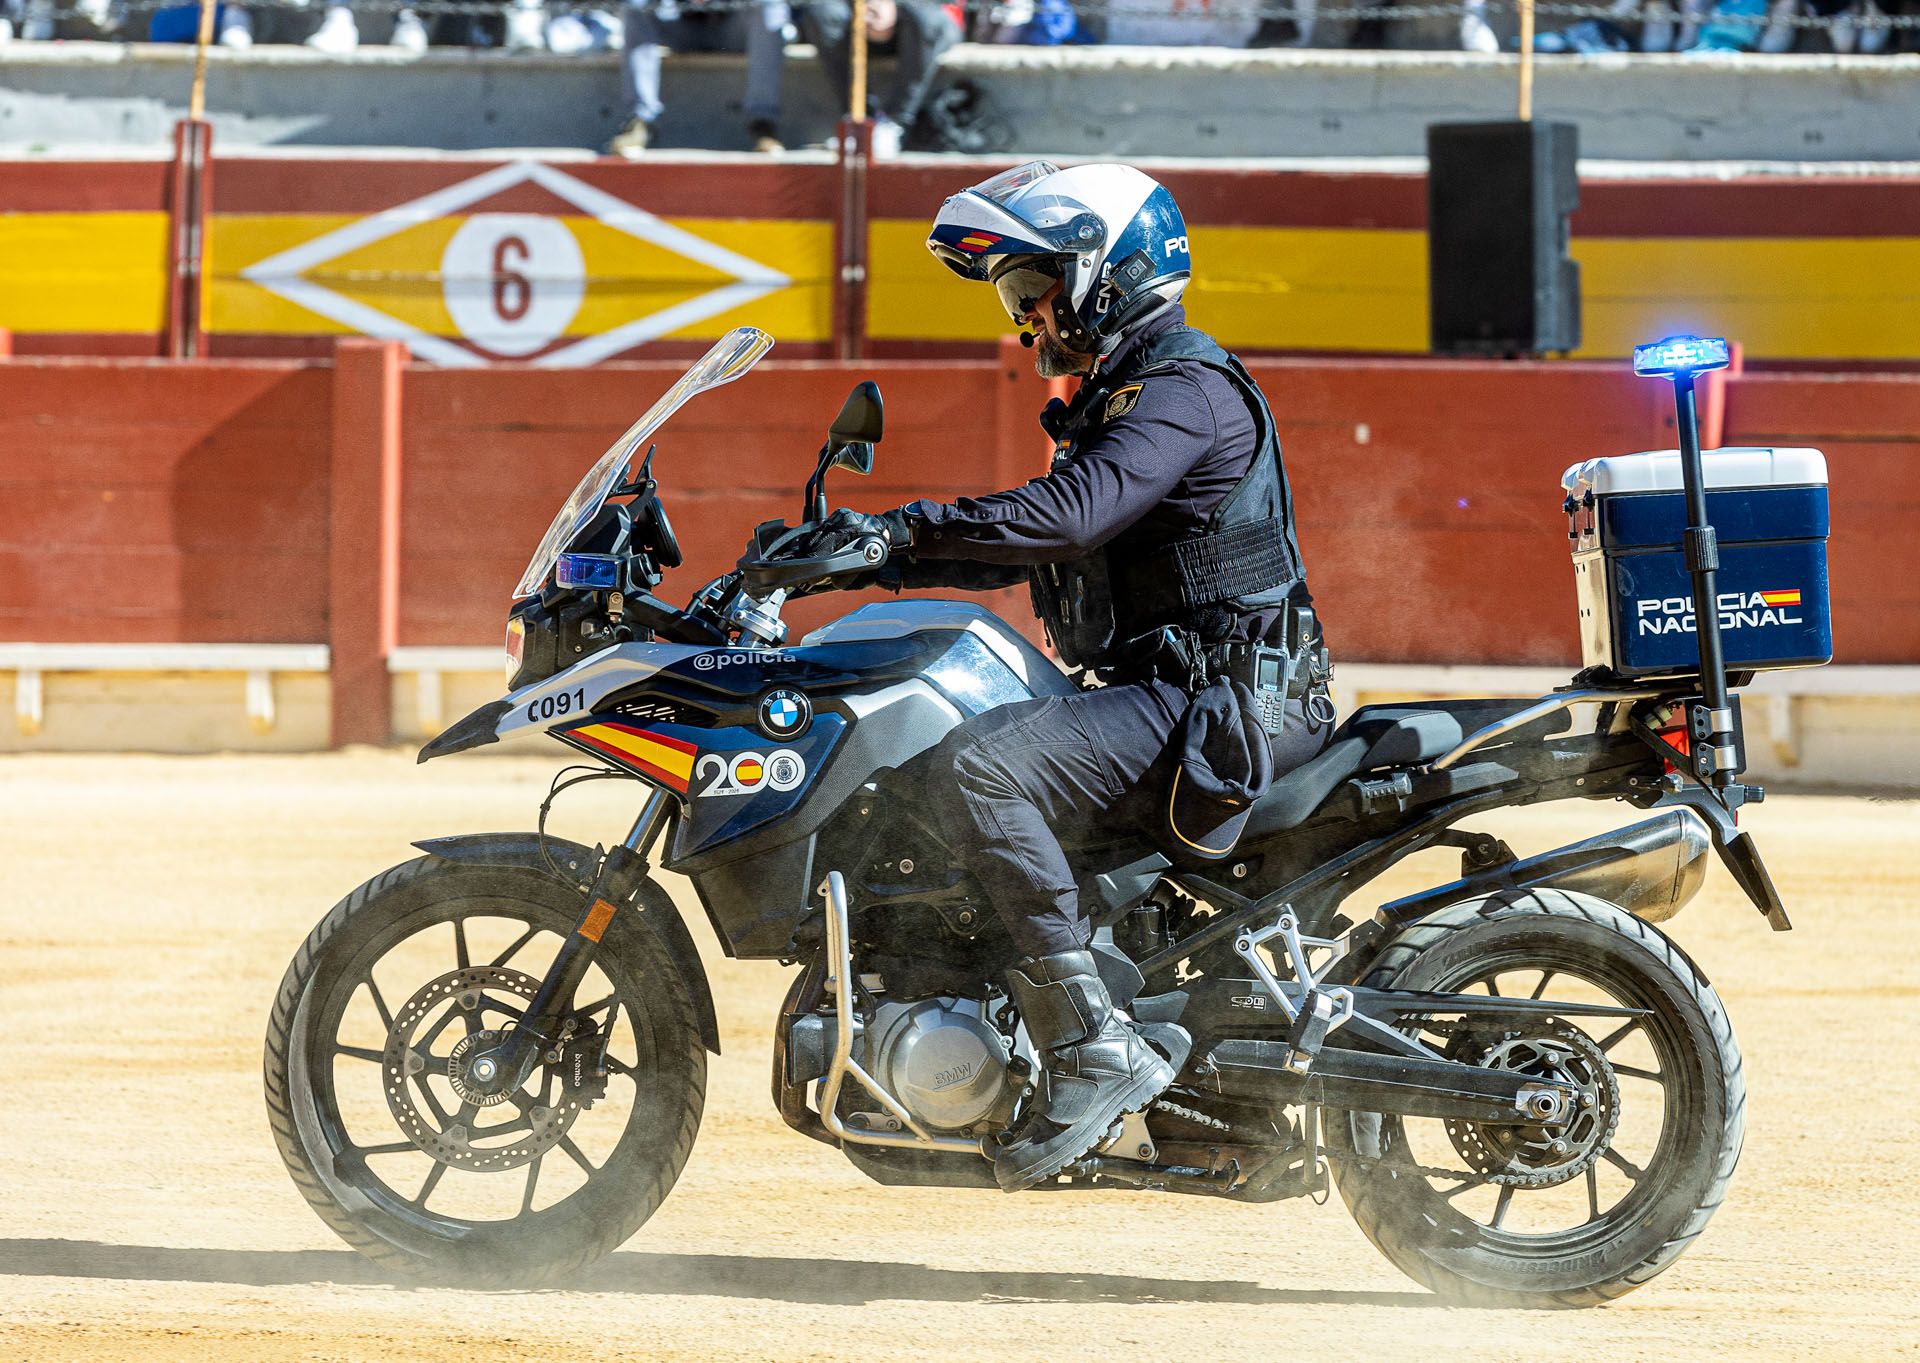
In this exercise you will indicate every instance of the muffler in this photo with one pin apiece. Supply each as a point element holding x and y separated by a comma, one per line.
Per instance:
<point>1651,869</point>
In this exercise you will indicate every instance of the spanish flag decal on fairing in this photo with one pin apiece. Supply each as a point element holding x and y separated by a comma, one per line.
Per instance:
<point>667,760</point>
<point>1782,598</point>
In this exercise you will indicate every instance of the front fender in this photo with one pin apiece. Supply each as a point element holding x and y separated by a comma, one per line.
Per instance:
<point>657,907</point>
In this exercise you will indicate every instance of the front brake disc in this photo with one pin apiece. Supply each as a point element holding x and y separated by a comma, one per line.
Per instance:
<point>410,1064</point>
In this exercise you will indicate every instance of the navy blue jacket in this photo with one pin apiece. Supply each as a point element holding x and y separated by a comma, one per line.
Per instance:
<point>1140,479</point>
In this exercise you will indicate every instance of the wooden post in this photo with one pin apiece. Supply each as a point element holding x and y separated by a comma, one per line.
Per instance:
<point>197,97</point>
<point>850,234</point>
<point>363,545</point>
<point>857,96</point>
<point>189,193</point>
<point>1526,61</point>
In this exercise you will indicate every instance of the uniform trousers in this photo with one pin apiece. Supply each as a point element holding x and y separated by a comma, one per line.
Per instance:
<point>1024,785</point>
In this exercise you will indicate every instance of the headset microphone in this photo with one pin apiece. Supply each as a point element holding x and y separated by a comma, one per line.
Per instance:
<point>1026,339</point>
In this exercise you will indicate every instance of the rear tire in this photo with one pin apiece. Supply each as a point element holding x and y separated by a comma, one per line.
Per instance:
<point>332,971</point>
<point>1702,1110</point>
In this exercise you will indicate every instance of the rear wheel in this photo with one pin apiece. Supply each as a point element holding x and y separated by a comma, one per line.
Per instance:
<point>1585,1212</point>
<point>370,1049</point>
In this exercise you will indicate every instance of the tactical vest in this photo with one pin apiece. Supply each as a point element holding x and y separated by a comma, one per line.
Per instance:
<point>1245,560</point>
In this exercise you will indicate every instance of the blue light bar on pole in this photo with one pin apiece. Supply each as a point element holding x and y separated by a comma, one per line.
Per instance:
<point>1680,355</point>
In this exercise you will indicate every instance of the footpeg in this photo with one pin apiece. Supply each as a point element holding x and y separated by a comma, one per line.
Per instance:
<point>1310,1027</point>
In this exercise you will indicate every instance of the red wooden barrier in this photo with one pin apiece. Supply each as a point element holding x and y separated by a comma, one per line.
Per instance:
<point>363,583</point>
<point>148,501</point>
<point>1869,427</point>
<point>373,502</point>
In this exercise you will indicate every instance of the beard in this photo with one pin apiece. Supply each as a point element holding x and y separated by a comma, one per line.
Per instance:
<point>1052,360</point>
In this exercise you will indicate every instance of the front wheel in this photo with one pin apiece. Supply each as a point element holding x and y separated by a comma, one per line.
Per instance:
<point>1553,1217</point>
<point>419,1167</point>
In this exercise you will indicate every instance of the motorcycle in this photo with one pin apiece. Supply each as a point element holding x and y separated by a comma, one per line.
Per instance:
<point>1525,1092</point>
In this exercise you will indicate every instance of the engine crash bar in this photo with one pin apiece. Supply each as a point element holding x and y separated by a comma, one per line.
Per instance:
<point>840,980</point>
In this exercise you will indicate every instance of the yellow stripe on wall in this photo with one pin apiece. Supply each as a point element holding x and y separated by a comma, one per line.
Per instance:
<point>1272,288</point>
<point>83,272</point>
<point>1339,289</point>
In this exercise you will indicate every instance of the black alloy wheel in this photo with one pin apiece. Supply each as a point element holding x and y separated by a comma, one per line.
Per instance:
<point>1571,1214</point>
<point>389,1114</point>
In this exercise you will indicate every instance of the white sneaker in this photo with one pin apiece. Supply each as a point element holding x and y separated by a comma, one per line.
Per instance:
<point>886,139</point>
<point>526,29</point>
<point>337,34</point>
<point>6,29</point>
<point>585,31</point>
<point>236,28</point>
<point>409,34</point>
<point>1476,34</point>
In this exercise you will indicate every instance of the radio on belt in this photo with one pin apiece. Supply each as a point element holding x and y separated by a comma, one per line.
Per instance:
<point>1627,517</point>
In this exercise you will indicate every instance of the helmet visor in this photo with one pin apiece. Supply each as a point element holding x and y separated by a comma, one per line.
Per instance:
<point>1010,182</point>
<point>1023,285</point>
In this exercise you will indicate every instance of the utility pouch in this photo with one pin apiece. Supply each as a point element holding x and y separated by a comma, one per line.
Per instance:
<point>1075,602</point>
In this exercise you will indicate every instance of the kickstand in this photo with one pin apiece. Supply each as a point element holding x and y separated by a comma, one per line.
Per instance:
<point>1314,1177</point>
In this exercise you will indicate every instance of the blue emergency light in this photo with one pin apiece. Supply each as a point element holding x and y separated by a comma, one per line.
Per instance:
<point>1680,355</point>
<point>586,570</point>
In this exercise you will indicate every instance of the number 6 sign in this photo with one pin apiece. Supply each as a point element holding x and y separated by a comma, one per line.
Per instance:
<point>513,281</point>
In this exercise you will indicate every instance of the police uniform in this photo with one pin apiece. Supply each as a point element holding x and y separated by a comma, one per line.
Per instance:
<point>1161,540</point>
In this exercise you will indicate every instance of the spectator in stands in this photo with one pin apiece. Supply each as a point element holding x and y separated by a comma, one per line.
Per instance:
<point>654,26</point>
<point>913,32</point>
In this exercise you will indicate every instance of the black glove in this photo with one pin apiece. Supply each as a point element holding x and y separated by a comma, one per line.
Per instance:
<point>847,525</point>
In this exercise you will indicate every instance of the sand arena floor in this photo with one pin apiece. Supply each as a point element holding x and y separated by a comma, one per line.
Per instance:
<point>151,904</point>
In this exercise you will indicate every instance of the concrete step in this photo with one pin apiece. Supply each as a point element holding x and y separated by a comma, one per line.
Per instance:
<point>1074,101</point>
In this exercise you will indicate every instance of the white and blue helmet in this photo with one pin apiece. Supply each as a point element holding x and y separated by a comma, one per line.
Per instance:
<point>1113,234</point>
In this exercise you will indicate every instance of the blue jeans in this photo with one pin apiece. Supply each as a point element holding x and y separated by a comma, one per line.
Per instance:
<point>653,26</point>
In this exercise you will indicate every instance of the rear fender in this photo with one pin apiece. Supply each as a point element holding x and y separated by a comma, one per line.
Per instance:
<point>579,864</point>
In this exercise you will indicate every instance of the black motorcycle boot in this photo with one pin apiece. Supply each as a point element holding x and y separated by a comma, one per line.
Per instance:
<point>1096,1067</point>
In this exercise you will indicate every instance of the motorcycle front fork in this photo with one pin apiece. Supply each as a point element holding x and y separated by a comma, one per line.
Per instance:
<point>619,879</point>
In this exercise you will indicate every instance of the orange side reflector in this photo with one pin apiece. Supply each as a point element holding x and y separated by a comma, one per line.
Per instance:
<point>596,920</point>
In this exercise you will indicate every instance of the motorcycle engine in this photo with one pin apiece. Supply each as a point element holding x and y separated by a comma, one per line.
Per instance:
<point>941,1058</point>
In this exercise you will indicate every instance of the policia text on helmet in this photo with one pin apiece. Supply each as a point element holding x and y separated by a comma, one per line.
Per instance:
<point>1161,554</point>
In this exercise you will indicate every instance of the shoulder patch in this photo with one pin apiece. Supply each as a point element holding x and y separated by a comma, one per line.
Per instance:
<point>1122,401</point>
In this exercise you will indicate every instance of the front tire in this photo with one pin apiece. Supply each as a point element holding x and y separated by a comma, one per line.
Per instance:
<point>363,1082</point>
<point>1673,1081</point>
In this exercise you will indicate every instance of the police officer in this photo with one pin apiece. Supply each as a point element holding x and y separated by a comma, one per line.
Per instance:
<point>1160,548</point>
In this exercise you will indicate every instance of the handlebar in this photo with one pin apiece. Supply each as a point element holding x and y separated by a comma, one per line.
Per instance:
<point>789,561</point>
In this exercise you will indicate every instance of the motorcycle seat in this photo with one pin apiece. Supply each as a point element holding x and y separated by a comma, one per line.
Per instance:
<point>1378,736</point>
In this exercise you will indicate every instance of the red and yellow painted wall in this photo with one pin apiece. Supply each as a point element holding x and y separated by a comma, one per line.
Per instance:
<point>568,263</point>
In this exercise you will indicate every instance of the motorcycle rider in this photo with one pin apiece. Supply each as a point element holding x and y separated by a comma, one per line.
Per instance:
<point>1159,548</point>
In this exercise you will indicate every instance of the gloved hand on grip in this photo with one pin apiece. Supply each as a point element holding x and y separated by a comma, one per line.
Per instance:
<point>846,525</point>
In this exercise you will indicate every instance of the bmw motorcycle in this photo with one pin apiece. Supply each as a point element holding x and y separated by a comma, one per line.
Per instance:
<point>489,1062</point>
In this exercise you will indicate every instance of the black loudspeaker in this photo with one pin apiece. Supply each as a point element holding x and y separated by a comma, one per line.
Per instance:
<point>1499,280</point>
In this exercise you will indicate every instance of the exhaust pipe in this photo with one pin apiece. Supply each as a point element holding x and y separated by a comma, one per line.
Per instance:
<point>1651,869</point>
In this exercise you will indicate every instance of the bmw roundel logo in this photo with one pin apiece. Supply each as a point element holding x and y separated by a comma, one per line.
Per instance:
<point>785,713</point>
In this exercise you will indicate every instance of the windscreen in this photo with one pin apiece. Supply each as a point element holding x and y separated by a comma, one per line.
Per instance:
<point>732,355</point>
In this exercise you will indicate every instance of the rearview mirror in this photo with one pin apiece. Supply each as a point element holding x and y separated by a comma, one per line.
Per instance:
<point>857,456</point>
<point>860,422</point>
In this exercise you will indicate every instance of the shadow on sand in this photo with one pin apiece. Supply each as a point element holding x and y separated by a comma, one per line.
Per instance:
<point>820,1282</point>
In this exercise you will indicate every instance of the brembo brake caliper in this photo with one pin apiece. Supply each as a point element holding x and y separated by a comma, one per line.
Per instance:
<point>1314,1011</point>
